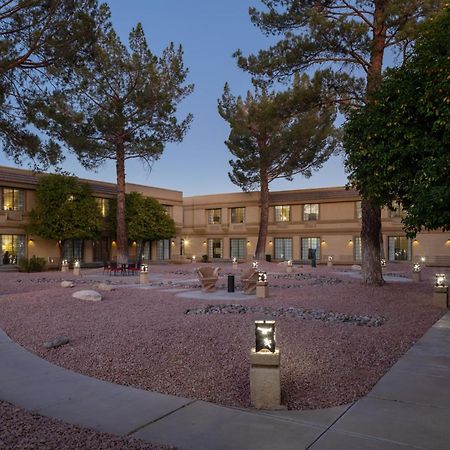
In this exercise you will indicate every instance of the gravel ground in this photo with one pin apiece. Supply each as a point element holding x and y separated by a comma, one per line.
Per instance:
<point>143,338</point>
<point>21,430</point>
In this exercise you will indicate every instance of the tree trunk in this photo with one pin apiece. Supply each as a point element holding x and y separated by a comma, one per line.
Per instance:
<point>264,218</point>
<point>371,216</point>
<point>121,230</point>
<point>61,251</point>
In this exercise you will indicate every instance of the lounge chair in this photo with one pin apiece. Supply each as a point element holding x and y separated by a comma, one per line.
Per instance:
<point>208,277</point>
<point>248,280</point>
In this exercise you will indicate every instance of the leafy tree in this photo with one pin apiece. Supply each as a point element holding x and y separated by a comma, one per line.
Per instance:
<point>35,37</point>
<point>277,135</point>
<point>65,209</point>
<point>119,106</point>
<point>146,219</point>
<point>398,145</point>
<point>350,38</point>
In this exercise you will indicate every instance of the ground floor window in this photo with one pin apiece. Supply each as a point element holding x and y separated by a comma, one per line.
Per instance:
<point>399,248</point>
<point>310,248</point>
<point>101,249</point>
<point>73,249</point>
<point>357,251</point>
<point>237,248</point>
<point>163,249</point>
<point>283,248</point>
<point>215,248</point>
<point>12,248</point>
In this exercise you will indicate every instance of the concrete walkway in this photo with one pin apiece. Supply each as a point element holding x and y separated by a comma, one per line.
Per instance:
<point>409,408</point>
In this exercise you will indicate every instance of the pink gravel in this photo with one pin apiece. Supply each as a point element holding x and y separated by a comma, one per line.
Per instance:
<point>143,338</point>
<point>20,429</point>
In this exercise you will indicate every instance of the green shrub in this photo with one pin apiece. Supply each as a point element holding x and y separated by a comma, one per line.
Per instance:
<point>34,264</point>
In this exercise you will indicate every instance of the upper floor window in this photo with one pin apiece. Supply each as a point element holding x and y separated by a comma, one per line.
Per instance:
<point>103,205</point>
<point>311,211</point>
<point>397,211</point>
<point>214,215</point>
<point>237,215</point>
<point>282,213</point>
<point>358,210</point>
<point>13,199</point>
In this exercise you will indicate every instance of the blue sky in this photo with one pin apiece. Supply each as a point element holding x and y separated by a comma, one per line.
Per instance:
<point>209,31</point>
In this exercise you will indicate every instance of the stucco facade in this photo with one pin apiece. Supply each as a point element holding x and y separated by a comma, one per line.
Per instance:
<point>223,226</point>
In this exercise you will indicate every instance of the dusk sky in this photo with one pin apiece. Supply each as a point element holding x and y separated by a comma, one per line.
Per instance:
<point>209,31</point>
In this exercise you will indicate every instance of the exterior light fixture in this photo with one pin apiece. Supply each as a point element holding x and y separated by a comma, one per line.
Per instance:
<point>144,268</point>
<point>330,259</point>
<point>234,260</point>
<point>289,263</point>
<point>270,242</point>
<point>254,264</point>
<point>204,242</point>
<point>193,258</point>
<point>383,262</point>
<point>350,241</point>
<point>248,242</point>
<point>416,267</point>
<point>173,242</point>
<point>440,279</point>
<point>262,277</point>
<point>265,335</point>
<point>65,262</point>
<point>76,263</point>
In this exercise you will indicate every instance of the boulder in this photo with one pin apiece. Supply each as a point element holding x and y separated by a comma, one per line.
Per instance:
<point>103,287</point>
<point>61,340</point>
<point>89,295</point>
<point>67,284</point>
<point>356,267</point>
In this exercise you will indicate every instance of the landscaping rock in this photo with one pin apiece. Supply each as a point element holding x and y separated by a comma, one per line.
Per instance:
<point>356,267</point>
<point>67,284</point>
<point>89,295</point>
<point>103,287</point>
<point>61,340</point>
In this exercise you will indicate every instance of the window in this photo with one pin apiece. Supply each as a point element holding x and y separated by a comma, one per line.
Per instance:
<point>103,206</point>
<point>357,250</point>
<point>101,249</point>
<point>358,210</point>
<point>399,248</point>
<point>282,213</point>
<point>398,210</point>
<point>214,248</point>
<point>163,249</point>
<point>13,199</point>
<point>73,249</point>
<point>310,246</point>
<point>238,248</point>
<point>237,215</point>
<point>12,248</point>
<point>311,211</point>
<point>214,216</point>
<point>283,248</point>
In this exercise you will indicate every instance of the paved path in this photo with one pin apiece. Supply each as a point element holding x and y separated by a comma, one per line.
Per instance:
<point>409,408</point>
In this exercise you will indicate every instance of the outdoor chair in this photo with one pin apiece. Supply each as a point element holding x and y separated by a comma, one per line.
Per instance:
<point>134,269</point>
<point>208,277</point>
<point>248,280</point>
<point>114,268</point>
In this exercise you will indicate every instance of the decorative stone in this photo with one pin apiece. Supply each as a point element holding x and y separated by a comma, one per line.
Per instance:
<point>356,267</point>
<point>61,340</point>
<point>262,290</point>
<point>89,295</point>
<point>440,296</point>
<point>103,287</point>
<point>265,388</point>
<point>67,284</point>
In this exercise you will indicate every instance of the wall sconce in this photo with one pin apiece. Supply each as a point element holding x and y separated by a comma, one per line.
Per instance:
<point>262,277</point>
<point>440,279</point>
<point>173,242</point>
<point>416,267</point>
<point>30,241</point>
<point>113,243</point>
<point>254,264</point>
<point>204,242</point>
<point>248,242</point>
<point>350,241</point>
<point>415,241</point>
<point>383,262</point>
<point>323,242</point>
<point>265,335</point>
<point>144,268</point>
<point>186,241</point>
<point>134,243</point>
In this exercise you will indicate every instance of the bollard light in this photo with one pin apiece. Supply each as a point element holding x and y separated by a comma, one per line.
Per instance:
<point>254,264</point>
<point>193,258</point>
<point>289,263</point>
<point>65,262</point>
<point>262,277</point>
<point>76,263</point>
<point>383,262</point>
<point>416,267</point>
<point>330,259</point>
<point>265,335</point>
<point>234,260</point>
<point>440,279</point>
<point>144,268</point>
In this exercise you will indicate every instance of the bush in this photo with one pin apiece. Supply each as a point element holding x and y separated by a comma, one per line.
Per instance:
<point>34,264</point>
<point>205,258</point>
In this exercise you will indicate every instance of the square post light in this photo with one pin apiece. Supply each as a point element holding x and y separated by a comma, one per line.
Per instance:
<point>330,261</point>
<point>383,263</point>
<point>262,286</point>
<point>265,335</point>
<point>255,265</point>
<point>76,267</point>
<point>143,275</point>
<point>440,280</point>
<point>235,263</point>
<point>416,272</point>
<point>64,265</point>
<point>440,294</point>
<point>289,266</point>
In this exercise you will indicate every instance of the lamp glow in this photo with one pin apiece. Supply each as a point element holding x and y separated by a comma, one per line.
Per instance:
<point>423,259</point>
<point>289,263</point>
<point>440,279</point>
<point>254,264</point>
<point>383,262</point>
<point>265,335</point>
<point>144,268</point>
<point>65,262</point>
<point>330,259</point>
<point>234,260</point>
<point>416,267</point>
<point>262,277</point>
<point>76,263</point>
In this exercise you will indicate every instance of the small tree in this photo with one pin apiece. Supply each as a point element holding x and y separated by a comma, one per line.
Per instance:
<point>146,219</point>
<point>119,106</point>
<point>65,209</point>
<point>277,135</point>
<point>398,145</point>
<point>35,37</point>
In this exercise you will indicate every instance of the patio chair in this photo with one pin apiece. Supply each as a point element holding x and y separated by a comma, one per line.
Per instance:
<point>248,280</point>
<point>134,269</point>
<point>114,268</point>
<point>208,277</point>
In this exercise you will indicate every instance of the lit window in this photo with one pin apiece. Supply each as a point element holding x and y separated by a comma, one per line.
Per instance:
<point>214,248</point>
<point>358,209</point>
<point>282,213</point>
<point>214,216</point>
<point>237,215</point>
<point>399,248</point>
<point>13,199</point>
<point>311,211</point>
<point>103,206</point>
<point>397,211</point>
